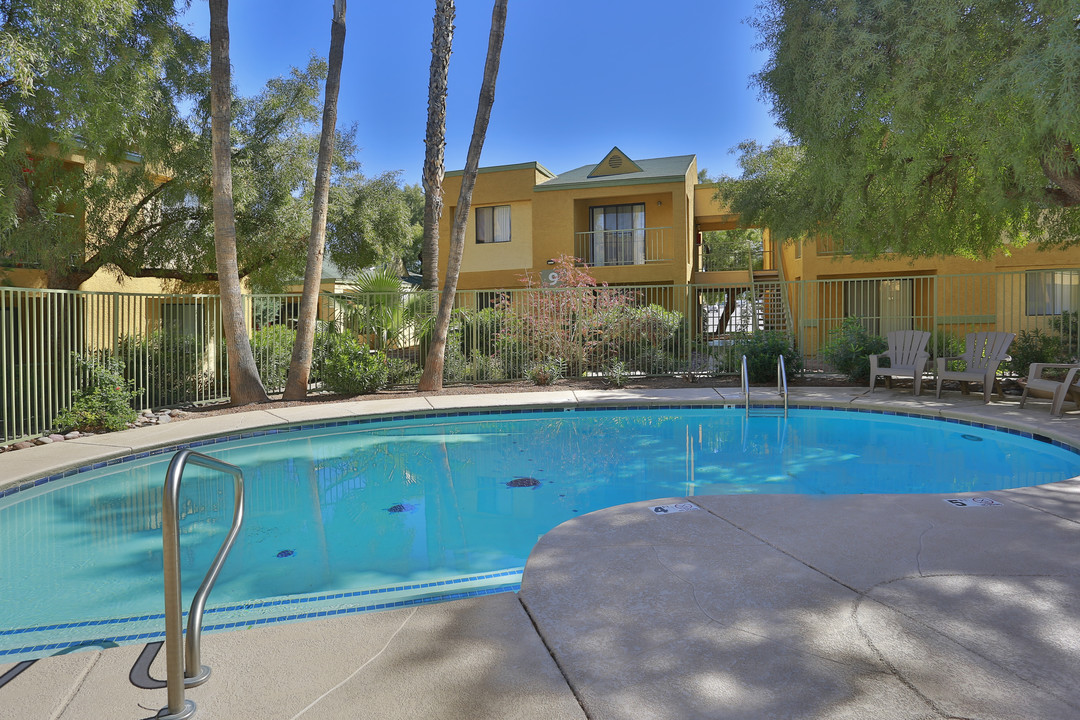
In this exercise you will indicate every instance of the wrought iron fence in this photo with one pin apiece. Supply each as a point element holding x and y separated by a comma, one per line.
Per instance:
<point>173,349</point>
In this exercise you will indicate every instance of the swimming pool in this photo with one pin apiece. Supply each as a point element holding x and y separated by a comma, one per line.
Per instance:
<point>363,514</point>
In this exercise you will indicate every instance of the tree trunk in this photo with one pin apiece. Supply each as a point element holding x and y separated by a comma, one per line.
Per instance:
<point>300,365</point>
<point>244,383</point>
<point>432,378</point>
<point>435,140</point>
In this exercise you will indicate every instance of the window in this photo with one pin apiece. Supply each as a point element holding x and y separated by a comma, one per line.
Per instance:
<point>618,235</point>
<point>182,319</point>
<point>1052,292</point>
<point>493,224</point>
<point>881,305</point>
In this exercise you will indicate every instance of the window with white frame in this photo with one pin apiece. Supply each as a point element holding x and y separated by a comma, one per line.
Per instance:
<point>1052,292</point>
<point>493,224</point>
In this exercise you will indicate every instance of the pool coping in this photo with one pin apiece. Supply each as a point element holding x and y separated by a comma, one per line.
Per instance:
<point>573,672</point>
<point>30,467</point>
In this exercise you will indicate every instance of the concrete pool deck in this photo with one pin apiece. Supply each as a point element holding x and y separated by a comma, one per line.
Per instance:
<point>756,606</point>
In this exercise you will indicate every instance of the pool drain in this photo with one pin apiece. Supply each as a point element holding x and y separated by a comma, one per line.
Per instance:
<point>286,553</point>
<point>973,438</point>
<point>520,482</point>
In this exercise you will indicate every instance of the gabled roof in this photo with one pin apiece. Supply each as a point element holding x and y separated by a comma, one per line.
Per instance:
<point>653,170</point>
<point>616,162</point>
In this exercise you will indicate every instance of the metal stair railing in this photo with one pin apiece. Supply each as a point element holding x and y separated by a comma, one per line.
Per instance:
<point>183,666</point>
<point>781,384</point>
<point>781,381</point>
<point>745,386</point>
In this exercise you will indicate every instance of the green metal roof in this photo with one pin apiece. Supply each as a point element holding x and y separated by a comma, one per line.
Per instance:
<point>653,170</point>
<point>503,168</point>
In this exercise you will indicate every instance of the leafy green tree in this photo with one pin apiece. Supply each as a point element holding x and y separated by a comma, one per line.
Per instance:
<point>922,127</point>
<point>62,68</point>
<point>372,223</point>
<point>63,65</point>
<point>143,223</point>
<point>738,249</point>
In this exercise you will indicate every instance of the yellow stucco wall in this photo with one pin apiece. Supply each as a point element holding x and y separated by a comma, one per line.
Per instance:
<point>545,223</point>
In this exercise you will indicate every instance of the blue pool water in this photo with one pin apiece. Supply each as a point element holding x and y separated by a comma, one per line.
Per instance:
<point>397,512</point>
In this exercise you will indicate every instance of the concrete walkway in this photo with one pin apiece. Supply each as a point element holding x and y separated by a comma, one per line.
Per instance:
<point>866,606</point>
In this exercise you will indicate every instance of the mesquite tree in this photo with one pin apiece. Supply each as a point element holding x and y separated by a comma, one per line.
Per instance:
<point>923,127</point>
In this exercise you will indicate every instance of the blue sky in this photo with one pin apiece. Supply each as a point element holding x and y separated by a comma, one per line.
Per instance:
<point>576,77</point>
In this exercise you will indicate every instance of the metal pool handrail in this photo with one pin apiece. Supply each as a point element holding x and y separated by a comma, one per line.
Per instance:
<point>745,386</point>
<point>183,667</point>
<point>781,381</point>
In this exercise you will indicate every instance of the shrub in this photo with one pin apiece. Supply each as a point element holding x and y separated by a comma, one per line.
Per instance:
<point>546,372</point>
<point>104,402</point>
<point>1067,326</point>
<point>170,363</point>
<point>272,347</point>
<point>400,371</point>
<point>325,334</point>
<point>1032,346</point>
<point>649,338</point>
<point>763,349</point>
<point>455,364</point>
<point>351,369</point>
<point>945,344</point>
<point>483,368</point>
<point>616,373</point>
<point>573,322</point>
<point>479,331</point>
<point>850,347</point>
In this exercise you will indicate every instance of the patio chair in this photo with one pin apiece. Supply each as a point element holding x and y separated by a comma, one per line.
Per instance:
<point>983,352</point>
<point>1057,390</point>
<point>907,357</point>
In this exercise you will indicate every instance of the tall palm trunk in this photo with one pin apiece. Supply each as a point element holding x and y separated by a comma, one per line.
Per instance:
<point>300,365</point>
<point>432,378</point>
<point>435,140</point>
<point>244,383</point>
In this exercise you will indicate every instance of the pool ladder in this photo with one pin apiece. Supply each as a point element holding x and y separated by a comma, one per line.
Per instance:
<point>183,666</point>
<point>781,384</point>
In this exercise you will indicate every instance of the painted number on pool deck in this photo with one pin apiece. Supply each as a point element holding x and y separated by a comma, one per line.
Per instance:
<point>677,507</point>
<point>972,502</point>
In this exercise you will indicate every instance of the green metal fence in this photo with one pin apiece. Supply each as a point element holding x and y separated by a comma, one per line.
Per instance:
<point>173,349</point>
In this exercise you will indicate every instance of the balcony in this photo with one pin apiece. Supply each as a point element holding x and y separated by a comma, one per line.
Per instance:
<point>608,248</point>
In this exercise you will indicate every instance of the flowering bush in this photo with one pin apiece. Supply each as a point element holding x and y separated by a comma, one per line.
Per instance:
<point>572,323</point>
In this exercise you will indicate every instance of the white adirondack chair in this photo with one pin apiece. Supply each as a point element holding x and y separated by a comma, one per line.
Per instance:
<point>907,355</point>
<point>1057,390</point>
<point>983,352</point>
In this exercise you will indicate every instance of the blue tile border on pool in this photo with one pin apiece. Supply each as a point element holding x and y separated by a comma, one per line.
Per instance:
<point>715,405</point>
<point>254,605</point>
<point>114,639</point>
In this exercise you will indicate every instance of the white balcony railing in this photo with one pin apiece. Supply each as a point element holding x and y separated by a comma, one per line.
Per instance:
<point>604,248</point>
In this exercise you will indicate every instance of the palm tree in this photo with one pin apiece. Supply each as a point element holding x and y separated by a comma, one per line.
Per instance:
<point>244,383</point>
<point>300,365</point>
<point>376,307</point>
<point>433,365</point>
<point>435,140</point>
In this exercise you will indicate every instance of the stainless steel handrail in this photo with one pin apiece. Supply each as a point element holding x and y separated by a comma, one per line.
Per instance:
<point>746,386</point>
<point>781,381</point>
<point>183,667</point>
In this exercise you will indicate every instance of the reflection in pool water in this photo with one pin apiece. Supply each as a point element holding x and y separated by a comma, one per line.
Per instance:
<point>409,502</point>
